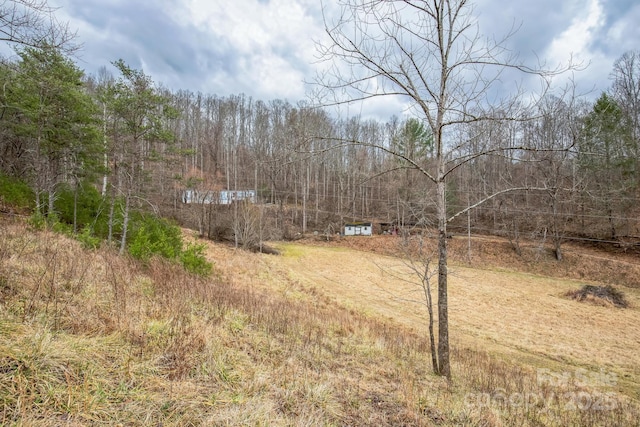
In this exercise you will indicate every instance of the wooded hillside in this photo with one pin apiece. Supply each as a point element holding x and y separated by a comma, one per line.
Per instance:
<point>141,146</point>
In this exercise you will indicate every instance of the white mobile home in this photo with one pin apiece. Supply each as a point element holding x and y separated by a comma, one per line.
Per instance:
<point>358,229</point>
<point>223,197</point>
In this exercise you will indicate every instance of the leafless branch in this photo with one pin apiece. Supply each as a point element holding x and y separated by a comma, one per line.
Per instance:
<point>33,23</point>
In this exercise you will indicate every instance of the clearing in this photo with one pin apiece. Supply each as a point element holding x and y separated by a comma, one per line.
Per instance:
<point>510,314</point>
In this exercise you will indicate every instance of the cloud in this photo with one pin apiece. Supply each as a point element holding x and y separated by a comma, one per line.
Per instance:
<point>265,48</point>
<point>622,31</point>
<point>533,25</point>
<point>258,47</point>
<point>593,33</point>
<point>577,39</point>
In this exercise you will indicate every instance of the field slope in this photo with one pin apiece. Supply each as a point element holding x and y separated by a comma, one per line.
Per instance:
<point>321,335</point>
<point>510,314</point>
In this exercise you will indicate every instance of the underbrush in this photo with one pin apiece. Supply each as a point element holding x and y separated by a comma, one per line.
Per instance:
<point>93,338</point>
<point>84,214</point>
<point>15,194</point>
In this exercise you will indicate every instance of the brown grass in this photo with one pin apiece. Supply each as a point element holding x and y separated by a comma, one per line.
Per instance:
<point>599,295</point>
<point>510,314</point>
<point>90,338</point>
<point>580,262</point>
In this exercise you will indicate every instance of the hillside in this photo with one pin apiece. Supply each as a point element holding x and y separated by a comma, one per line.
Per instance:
<point>498,303</point>
<point>610,265</point>
<point>311,337</point>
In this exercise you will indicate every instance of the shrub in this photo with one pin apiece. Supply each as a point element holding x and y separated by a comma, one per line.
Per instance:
<point>58,226</point>
<point>88,239</point>
<point>87,203</point>
<point>100,225</point>
<point>194,261</point>
<point>16,193</point>
<point>37,220</point>
<point>40,221</point>
<point>151,235</point>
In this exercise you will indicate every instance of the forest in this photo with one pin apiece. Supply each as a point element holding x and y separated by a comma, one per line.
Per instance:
<point>94,151</point>
<point>140,146</point>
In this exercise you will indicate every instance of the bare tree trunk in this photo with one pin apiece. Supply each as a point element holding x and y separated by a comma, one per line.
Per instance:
<point>125,224</point>
<point>317,189</point>
<point>112,205</point>
<point>75,207</point>
<point>305,192</point>
<point>444,368</point>
<point>557,248</point>
<point>468,234</point>
<point>557,238</point>
<point>426,287</point>
<point>52,199</point>
<point>105,158</point>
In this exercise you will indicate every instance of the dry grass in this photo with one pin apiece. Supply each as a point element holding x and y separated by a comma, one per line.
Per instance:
<point>90,338</point>
<point>506,313</point>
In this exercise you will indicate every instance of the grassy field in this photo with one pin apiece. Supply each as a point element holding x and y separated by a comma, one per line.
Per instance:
<point>320,335</point>
<point>512,315</point>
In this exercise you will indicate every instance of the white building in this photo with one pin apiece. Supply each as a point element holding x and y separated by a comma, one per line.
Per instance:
<point>358,229</point>
<point>223,197</point>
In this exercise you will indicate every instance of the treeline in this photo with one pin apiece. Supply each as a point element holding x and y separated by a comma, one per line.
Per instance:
<point>141,146</point>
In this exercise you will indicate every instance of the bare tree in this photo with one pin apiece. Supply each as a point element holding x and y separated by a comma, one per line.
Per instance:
<point>626,90</point>
<point>33,23</point>
<point>557,132</point>
<point>431,54</point>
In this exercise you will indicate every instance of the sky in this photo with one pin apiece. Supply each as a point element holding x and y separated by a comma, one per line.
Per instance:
<point>266,48</point>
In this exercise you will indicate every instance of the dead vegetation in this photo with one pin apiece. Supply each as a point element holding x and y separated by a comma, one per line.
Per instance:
<point>91,338</point>
<point>599,295</point>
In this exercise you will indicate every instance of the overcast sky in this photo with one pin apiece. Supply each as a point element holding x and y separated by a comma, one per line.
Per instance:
<point>265,48</point>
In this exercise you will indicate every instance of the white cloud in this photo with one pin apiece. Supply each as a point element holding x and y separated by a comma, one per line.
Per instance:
<point>575,40</point>
<point>271,41</point>
<point>265,48</point>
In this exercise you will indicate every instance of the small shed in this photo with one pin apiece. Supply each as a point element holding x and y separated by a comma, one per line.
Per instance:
<point>358,229</point>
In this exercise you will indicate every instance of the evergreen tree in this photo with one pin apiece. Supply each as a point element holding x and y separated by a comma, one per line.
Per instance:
<point>607,162</point>
<point>137,137</point>
<point>55,119</point>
